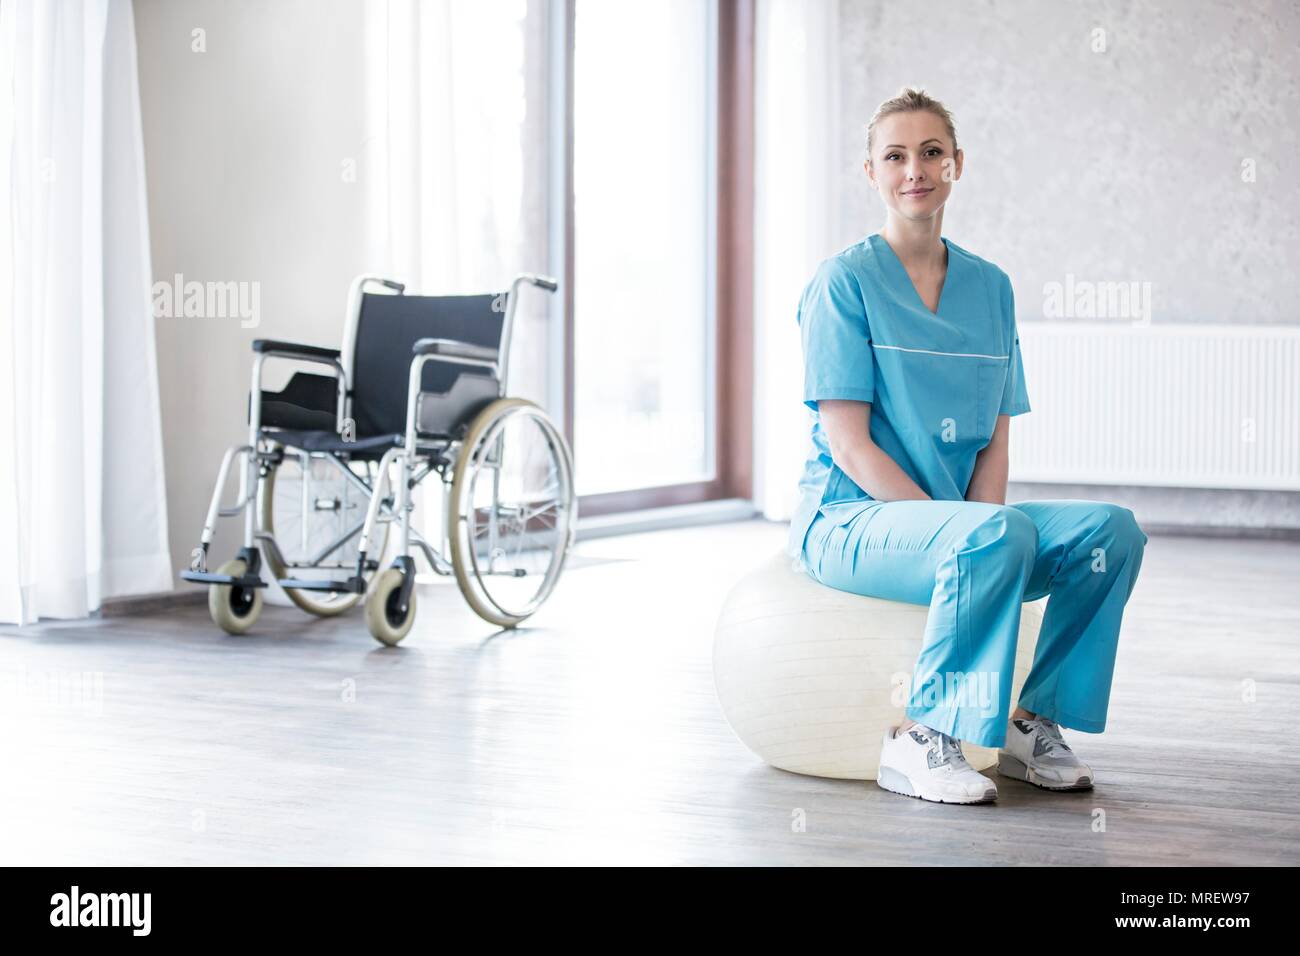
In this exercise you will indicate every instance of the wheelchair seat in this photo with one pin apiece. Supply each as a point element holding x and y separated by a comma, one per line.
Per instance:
<point>308,402</point>
<point>363,449</point>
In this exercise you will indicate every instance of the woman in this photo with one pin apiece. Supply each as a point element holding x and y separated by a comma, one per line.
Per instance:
<point>913,372</point>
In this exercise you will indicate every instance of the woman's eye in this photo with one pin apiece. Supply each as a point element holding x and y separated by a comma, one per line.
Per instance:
<point>892,156</point>
<point>935,151</point>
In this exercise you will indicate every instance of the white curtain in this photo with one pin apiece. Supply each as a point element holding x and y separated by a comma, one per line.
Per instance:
<point>459,158</point>
<point>82,500</point>
<point>797,154</point>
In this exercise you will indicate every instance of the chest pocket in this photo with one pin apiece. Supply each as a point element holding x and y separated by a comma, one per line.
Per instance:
<point>990,381</point>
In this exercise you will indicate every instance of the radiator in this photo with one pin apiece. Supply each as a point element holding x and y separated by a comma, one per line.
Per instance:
<point>1179,405</point>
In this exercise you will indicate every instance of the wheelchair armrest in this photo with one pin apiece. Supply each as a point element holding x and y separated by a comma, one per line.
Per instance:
<point>293,349</point>
<point>294,352</point>
<point>450,348</point>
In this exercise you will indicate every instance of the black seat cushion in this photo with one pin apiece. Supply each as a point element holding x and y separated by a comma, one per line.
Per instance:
<point>372,447</point>
<point>308,402</point>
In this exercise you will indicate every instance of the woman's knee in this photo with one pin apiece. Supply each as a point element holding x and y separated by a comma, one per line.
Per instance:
<point>1121,525</point>
<point>1011,528</point>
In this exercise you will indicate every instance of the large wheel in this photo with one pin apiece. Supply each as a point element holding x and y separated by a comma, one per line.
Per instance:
<point>512,511</point>
<point>384,615</point>
<point>234,609</point>
<point>333,506</point>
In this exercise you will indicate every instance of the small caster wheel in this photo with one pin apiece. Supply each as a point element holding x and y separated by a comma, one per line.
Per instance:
<point>234,609</point>
<point>383,616</point>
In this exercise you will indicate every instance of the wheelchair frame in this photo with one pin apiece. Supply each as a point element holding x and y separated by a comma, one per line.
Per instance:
<point>437,454</point>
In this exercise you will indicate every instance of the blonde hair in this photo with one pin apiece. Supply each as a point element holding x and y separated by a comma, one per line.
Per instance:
<point>910,100</point>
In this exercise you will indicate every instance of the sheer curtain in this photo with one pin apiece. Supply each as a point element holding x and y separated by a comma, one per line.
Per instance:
<point>82,502</point>
<point>458,155</point>
<point>797,154</point>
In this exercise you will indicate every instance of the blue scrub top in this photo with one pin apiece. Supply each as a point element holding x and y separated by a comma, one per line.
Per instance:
<point>937,382</point>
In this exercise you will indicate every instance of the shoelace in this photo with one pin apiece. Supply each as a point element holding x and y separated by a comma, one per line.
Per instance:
<point>950,745</point>
<point>1054,741</point>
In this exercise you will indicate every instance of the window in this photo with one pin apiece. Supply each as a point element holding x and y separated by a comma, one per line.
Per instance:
<point>644,137</point>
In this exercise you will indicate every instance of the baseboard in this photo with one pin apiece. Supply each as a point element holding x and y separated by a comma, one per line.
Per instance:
<point>1187,512</point>
<point>1219,531</point>
<point>668,516</point>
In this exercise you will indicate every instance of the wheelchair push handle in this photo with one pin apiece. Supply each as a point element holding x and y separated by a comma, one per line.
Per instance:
<point>542,282</point>
<point>398,287</point>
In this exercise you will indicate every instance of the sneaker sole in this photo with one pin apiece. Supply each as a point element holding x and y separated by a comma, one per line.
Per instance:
<point>1009,766</point>
<point>890,779</point>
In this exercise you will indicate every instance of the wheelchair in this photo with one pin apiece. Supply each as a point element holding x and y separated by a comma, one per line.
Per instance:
<point>333,461</point>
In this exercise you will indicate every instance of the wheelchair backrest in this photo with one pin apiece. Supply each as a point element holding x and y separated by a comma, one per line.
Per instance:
<point>387,328</point>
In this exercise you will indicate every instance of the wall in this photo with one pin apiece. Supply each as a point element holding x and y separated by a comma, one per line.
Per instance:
<point>244,152</point>
<point>1122,165</point>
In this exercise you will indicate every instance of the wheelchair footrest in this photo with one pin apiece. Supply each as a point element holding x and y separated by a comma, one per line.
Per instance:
<point>352,585</point>
<point>207,577</point>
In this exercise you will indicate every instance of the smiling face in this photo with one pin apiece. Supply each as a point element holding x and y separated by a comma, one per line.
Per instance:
<point>913,164</point>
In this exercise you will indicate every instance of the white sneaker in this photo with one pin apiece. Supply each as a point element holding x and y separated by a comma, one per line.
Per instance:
<point>924,763</point>
<point>1036,752</point>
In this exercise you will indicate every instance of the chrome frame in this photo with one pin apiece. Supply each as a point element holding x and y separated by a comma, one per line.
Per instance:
<point>318,560</point>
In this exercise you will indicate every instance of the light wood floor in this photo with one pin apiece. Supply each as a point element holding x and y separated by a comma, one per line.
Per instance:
<point>594,736</point>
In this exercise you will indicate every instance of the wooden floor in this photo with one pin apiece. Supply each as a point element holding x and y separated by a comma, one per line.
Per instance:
<point>594,736</point>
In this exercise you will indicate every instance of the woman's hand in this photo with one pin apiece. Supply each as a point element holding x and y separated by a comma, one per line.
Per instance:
<point>848,430</point>
<point>989,480</point>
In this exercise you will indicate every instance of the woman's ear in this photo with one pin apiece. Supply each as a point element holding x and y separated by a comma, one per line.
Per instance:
<point>871,176</point>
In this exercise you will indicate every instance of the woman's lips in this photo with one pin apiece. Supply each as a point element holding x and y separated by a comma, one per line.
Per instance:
<point>917,193</point>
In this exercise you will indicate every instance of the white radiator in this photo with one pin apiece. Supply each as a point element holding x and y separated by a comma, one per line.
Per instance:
<point>1197,406</point>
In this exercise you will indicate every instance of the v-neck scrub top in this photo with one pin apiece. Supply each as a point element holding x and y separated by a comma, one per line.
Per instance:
<point>936,381</point>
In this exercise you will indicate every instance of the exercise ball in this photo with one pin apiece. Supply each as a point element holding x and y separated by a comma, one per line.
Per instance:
<point>809,676</point>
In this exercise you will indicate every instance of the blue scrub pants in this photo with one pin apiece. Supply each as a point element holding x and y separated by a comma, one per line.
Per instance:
<point>974,564</point>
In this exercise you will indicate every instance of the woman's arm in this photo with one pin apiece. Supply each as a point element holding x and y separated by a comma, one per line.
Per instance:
<point>989,480</point>
<point>848,430</point>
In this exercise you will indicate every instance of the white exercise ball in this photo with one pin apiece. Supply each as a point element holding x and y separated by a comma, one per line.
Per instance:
<point>809,676</point>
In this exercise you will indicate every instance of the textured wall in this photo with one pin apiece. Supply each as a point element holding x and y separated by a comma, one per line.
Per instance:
<point>1115,166</point>
<point>1123,165</point>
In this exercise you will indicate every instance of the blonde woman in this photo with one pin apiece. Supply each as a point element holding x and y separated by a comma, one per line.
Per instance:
<point>912,374</point>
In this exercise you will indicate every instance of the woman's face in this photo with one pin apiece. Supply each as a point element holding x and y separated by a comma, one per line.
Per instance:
<point>912,164</point>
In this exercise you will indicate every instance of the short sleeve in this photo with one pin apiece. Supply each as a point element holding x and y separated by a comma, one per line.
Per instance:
<point>1015,397</point>
<point>837,357</point>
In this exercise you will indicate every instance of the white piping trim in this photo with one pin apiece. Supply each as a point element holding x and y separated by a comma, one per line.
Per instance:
<point>899,348</point>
